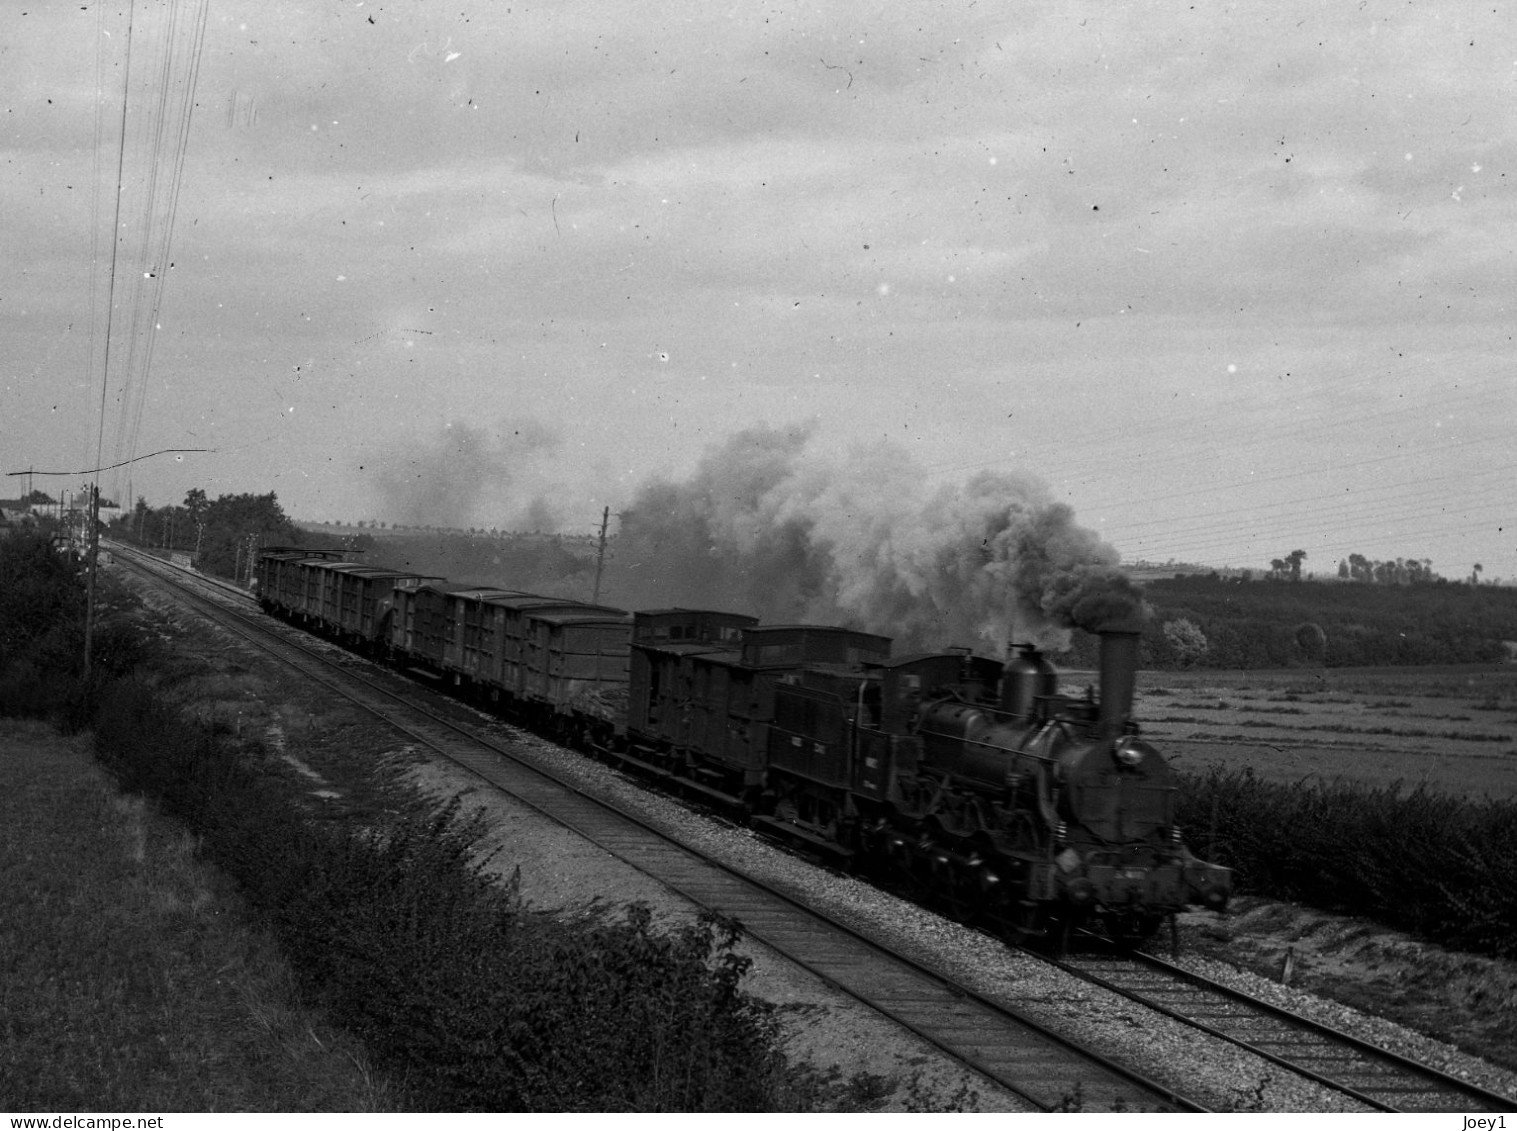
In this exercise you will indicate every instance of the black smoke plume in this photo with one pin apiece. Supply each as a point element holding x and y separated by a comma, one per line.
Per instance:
<point>771,525</point>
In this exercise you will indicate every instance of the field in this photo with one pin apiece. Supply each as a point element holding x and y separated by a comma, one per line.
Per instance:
<point>1453,729</point>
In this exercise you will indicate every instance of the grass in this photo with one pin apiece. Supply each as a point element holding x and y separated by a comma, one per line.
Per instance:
<point>1440,728</point>
<point>132,980</point>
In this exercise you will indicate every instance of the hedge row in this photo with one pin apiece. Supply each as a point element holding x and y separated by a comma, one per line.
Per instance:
<point>1439,867</point>
<point>469,999</point>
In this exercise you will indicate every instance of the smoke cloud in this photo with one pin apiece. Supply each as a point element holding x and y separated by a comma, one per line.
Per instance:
<point>771,525</point>
<point>464,476</point>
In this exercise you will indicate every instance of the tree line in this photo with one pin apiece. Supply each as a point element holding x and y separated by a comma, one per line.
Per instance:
<point>1357,567</point>
<point>221,535</point>
<point>1208,621</point>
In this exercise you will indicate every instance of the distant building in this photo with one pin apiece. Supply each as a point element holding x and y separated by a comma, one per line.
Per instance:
<point>15,512</point>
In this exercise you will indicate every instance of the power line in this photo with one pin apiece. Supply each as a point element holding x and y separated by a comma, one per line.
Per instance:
<point>111,467</point>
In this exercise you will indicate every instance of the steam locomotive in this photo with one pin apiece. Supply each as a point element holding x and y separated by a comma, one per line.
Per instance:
<point>971,784</point>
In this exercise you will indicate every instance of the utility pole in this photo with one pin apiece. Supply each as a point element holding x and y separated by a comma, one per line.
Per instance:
<point>89,591</point>
<point>600,554</point>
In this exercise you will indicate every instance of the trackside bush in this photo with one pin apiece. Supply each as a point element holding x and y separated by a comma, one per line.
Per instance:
<point>42,614</point>
<point>464,996</point>
<point>1439,867</point>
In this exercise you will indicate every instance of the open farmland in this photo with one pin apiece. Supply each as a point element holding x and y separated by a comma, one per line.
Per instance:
<point>1452,729</point>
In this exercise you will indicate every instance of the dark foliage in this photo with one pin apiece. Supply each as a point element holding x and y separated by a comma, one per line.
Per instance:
<point>1272,624</point>
<point>43,589</point>
<point>1438,867</point>
<point>42,625</point>
<point>219,533</point>
<point>474,1001</point>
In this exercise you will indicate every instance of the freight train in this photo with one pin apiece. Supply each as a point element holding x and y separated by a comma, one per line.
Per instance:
<point>972,784</point>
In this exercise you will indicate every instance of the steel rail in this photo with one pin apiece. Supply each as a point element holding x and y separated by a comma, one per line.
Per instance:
<point>1381,1079</point>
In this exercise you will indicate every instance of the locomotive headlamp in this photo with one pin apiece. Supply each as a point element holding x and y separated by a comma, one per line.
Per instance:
<point>1129,752</point>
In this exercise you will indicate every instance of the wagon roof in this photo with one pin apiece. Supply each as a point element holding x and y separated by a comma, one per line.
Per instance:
<point>585,616</point>
<point>715,651</point>
<point>381,571</point>
<point>531,601</point>
<point>829,629</point>
<point>449,587</point>
<point>288,553</point>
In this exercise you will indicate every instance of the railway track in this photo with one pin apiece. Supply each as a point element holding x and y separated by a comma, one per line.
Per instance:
<point>1049,1071</point>
<point>1376,1077</point>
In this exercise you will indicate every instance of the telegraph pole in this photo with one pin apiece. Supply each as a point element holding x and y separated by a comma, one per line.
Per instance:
<point>600,554</point>
<point>89,590</point>
<point>94,534</point>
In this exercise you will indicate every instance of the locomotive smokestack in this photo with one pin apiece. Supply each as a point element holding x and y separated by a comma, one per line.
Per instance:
<point>1119,677</point>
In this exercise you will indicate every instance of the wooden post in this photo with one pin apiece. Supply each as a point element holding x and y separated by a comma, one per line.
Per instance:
<point>89,585</point>
<point>600,554</point>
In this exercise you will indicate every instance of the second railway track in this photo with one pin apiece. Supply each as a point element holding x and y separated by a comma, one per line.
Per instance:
<point>1378,1078</point>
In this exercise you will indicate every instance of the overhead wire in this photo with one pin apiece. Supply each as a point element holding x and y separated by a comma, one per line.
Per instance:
<point>1115,456</point>
<point>105,367</point>
<point>159,260</point>
<point>157,164</point>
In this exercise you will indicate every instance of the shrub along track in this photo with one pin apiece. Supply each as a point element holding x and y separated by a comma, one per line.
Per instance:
<point>1384,1080</point>
<point>1018,1053</point>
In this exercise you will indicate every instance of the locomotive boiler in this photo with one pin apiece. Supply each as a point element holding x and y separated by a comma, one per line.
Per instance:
<point>980,787</point>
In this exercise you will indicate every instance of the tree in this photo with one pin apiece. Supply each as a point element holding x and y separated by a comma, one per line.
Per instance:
<point>1312,641</point>
<point>1187,641</point>
<point>1475,575</point>
<point>232,522</point>
<point>1295,558</point>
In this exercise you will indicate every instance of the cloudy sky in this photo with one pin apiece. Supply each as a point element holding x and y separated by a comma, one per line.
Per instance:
<point>1232,280</point>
